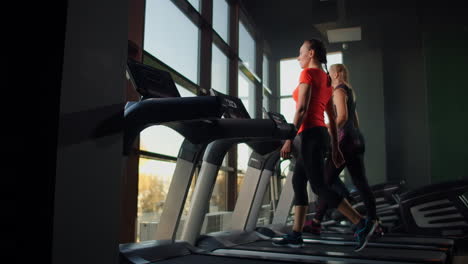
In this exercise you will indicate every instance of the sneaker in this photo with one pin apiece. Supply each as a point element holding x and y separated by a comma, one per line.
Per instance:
<point>289,240</point>
<point>312,227</point>
<point>380,230</point>
<point>363,233</point>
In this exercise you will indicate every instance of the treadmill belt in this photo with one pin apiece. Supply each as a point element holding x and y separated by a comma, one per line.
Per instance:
<point>436,243</point>
<point>405,255</point>
<point>419,239</point>
<point>208,259</point>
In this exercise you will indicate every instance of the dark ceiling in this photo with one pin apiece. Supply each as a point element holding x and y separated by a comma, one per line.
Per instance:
<point>274,15</point>
<point>284,24</point>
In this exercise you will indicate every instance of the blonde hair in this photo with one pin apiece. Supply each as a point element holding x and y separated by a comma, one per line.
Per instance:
<point>343,72</point>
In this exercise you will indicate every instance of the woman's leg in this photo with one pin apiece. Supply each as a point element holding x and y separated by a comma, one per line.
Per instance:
<point>357,171</point>
<point>301,202</point>
<point>339,186</point>
<point>353,151</point>
<point>314,146</point>
<point>315,143</point>
<point>349,212</point>
<point>301,199</point>
<point>331,178</point>
<point>299,217</point>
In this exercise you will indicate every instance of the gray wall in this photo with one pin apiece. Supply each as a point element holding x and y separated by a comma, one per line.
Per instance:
<point>444,44</point>
<point>364,62</point>
<point>406,109</point>
<point>388,73</point>
<point>89,165</point>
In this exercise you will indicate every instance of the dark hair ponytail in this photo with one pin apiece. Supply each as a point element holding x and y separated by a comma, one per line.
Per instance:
<point>320,50</point>
<point>320,54</point>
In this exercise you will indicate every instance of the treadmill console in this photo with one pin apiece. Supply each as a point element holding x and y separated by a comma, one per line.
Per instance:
<point>277,117</point>
<point>279,120</point>
<point>151,82</point>
<point>232,106</point>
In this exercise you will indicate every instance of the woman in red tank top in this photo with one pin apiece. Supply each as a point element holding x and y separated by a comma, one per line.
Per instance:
<point>313,96</point>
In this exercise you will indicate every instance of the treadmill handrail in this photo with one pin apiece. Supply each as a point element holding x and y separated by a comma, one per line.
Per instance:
<point>155,111</point>
<point>198,120</point>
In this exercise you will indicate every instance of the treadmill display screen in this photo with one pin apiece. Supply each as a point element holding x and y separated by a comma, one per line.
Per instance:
<point>232,106</point>
<point>277,117</point>
<point>152,82</point>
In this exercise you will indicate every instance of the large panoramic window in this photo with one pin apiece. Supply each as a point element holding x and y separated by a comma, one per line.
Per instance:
<point>161,140</point>
<point>266,84</point>
<point>155,177</point>
<point>289,78</point>
<point>246,47</point>
<point>219,70</point>
<point>184,92</point>
<point>243,155</point>
<point>266,100</point>
<point>172,38</point>
<point>266,68</point>
<point>221,18</point>
<point>194,3</point>
<point>333,58</point>
<point>153,183</point>
<point>246,92</point>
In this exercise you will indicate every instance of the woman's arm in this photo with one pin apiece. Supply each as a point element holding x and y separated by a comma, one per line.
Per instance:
<point>339,99</point>
<point>337,156</point>
<point>303,101</point>
<point>302,106</point>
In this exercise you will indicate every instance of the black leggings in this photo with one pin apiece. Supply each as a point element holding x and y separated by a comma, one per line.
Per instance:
<point>310,165</point>
<point>353,148</point>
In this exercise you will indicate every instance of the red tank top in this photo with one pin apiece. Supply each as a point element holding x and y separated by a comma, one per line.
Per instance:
<point>321,94</point>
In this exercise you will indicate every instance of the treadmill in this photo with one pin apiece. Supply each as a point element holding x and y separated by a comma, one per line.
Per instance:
<point>256,243</point>
<point>166,250</point>
<point>439,209</point>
